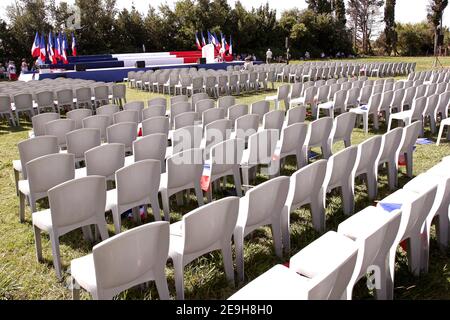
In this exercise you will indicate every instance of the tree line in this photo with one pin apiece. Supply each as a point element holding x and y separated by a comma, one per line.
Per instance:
<point>329,27</point>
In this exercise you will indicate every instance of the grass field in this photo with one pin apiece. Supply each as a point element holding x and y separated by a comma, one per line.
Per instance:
<point>22,277</point>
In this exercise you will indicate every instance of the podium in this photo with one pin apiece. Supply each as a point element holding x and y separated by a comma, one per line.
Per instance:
<point>208,53</point>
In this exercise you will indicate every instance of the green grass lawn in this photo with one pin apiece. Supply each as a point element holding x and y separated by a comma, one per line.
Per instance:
<point>22,277</point>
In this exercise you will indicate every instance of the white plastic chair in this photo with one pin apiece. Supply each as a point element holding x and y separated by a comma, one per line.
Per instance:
<point>124,133</point>
<point>203,230</point>
<point>341,173</point>
<point>81,140</point>
<point>39,121</point>
<point>78,115</point>
<point>390,149</point>
<point>123,262</point>
<point>369,152</point>
<point>183,172</point>
<point>342,129</point>
<point>410,135</point>
<point>318,134</point>
<point>291,143</point>
<point>374,231</point>
<point>59,128</point>
<point>155,125</point>
<point>136,185</point>
<point>73,204</point>
<point>44,173</point>
<point>262,205</point>
<point>312,177</point>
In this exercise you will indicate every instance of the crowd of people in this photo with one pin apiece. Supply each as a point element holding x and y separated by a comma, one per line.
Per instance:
<point>8,70</point>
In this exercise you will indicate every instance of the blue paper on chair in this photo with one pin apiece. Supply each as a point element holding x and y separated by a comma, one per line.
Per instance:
<point>364,107</point>
<point>389,207</point>
<point>313,155</point>
<point>424,141</point>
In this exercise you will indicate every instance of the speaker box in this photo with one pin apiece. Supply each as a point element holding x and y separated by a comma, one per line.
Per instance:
<point>80,67</point>
<point>140,64</point>
<point>202,61</point>
<point>440,40</point>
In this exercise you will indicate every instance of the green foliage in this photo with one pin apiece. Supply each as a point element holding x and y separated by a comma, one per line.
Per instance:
<point>390,32</point>
<point>415,39</point>
<point>106,29</point>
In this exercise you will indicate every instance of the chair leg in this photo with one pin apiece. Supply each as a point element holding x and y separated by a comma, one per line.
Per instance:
<point>239,247</point>
<point>228,261</point>
<point>199,194</point>
<point>392,174</point>
<point>245,179</point>
<point>441,132</point>
<point>318,211</point>
<point>372,185</point>
<point>16,179</point>
<point>165,203</point>
<point>37,240</point>
<point>56,254</point>
<point>276,235</point>
<point>285,229</point>
<point>102,229</point>
<point>414,253</point>
<point>156,210</point>
<point>348,198</point>
<point>179,276</point>
<point>237,182</point>
<point>116,219</point>
<point>161,283</point>
<point>21,207</point>
<point>75,289</point>
<point>443,226</point>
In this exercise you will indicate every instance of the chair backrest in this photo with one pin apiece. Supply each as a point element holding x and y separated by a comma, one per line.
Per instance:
<point>185,119</point>
<point>157,102</point>
<point>274,120</point>
<point>391,144</point>
<point>31,149</point>
<point>59,128</point>
<point>105,160</point>
<point>50,170</point>
<point>5,103</point>
<point>333,278</point>
<point>204,105</point>
<point>374,103</point>
<point>39,121</point>
<point>151,147</point>
<point>260,108</point>
<point>319,130</point>
<point>283,91</point>
<point>296,115</point>
<point>187,138</point>
<point>178,99</point>
<point>293,137</point>
<point>313,176</point>
<point>75,201</point>
<point>264,201</point>
<point>341,166</point>
<point>125,132</point>
<point>210,225</point>
<point>81,140</point>
<point>108,110</point>
<point>126,116</point>
<point>237,111</point>
<point>184,168</point>
<point>45,98</point>
<point>137,106</point>
<point>196,97</point>
<point>226,154</point>
<point>155,125</point>
<point>100,122</point>
<point>138,181</point>
<point>78,115</point>
<point>116,266</point>
<point>178,108</point>
<point>246,125</point>
<point>212,115</point>
<point>418,108</point>
<point>261,146</point>
<point>369,151</point>
<point>226,102</point>
<point>153,111</point>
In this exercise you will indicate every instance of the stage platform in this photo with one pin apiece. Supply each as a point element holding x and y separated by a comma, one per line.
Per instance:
<point>118,74</point>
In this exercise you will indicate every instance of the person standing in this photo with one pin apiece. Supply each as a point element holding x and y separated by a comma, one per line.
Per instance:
<point>24,67</point>
<point>12,71</point>
<point>268,56</point>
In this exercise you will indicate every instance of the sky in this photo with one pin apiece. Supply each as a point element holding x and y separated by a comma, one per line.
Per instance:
<point>406,10</point>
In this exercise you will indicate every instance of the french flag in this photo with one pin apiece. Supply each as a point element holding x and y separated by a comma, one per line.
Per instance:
<point>203,40</point>
<point>216,41</point>
<point>230,49</point>
<point>57,47</point>
<point>42,51</point>
<point>35,49</point>
<point>64,47</point>
<point>74,46</point>
<point>51,52</point>
<point>224,42</point>
<point>197,42</point>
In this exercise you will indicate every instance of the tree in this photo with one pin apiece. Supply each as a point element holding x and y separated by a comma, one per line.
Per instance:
<point>389,30</point>
<point>365,19</point>
<point>435,12</point>
<point>339,10</point>
<point>319,6</point>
